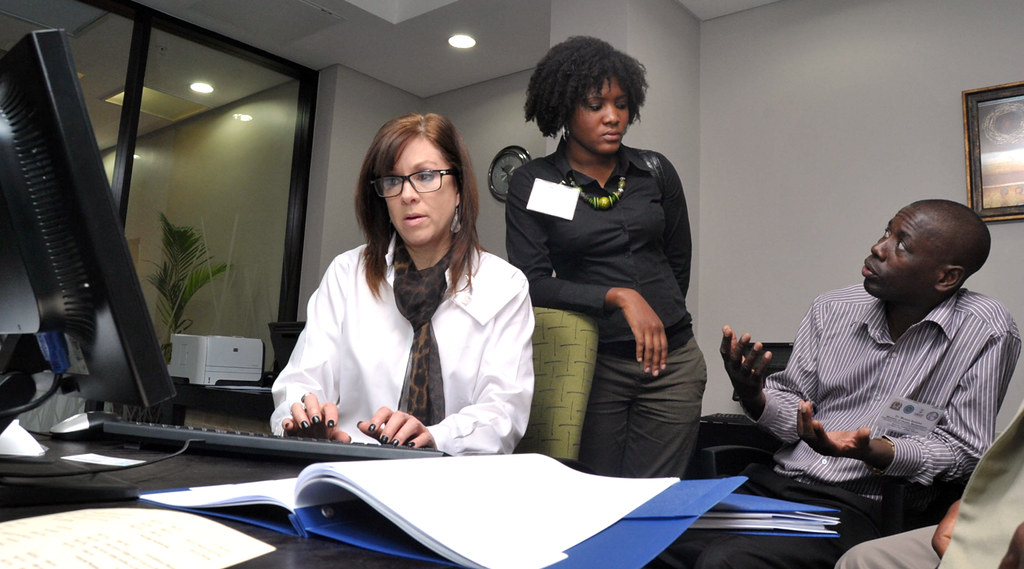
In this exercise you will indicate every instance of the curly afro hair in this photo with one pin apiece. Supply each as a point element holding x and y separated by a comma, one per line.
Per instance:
<point>573,70</point>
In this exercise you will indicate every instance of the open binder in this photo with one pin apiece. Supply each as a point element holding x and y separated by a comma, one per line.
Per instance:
<point>518,511</point>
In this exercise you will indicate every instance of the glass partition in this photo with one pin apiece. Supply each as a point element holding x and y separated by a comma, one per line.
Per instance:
<point>226,164</point>
<point>216,161</point>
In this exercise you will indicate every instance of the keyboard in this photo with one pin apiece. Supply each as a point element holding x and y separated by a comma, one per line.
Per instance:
<point>249,444</point>
<point>728,418</point>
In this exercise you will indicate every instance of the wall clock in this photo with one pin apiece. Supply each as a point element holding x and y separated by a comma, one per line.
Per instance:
<point>500,173</point>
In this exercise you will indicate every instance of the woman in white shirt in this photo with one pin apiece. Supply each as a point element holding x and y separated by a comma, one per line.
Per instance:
<point>419,337</point>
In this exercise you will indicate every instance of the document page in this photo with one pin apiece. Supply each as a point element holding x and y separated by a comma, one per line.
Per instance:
<point>502,511</point>
<point>124,538</point>
<point>278,492</point>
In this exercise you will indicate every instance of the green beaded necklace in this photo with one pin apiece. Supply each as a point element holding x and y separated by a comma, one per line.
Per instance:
<point>601,202</point>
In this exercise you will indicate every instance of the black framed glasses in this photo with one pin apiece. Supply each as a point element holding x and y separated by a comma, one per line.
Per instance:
<point>424,181</point>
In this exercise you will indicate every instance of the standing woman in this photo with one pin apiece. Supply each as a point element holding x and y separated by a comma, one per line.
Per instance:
<point>419,337</point>
<point>619,250</point>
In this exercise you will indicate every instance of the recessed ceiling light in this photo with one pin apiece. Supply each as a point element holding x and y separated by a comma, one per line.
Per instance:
<point>242,117</point>
<point>461,41</point>
<point>202,87</point>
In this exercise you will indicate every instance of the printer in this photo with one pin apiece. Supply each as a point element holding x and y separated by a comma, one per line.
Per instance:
<point>216,360</point>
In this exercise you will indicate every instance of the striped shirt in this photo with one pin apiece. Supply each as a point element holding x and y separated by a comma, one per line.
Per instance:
<point>959,359</point>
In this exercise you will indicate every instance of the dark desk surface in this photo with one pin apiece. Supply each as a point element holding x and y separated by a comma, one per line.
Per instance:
<point>202,469</point>
<point>250,404</point>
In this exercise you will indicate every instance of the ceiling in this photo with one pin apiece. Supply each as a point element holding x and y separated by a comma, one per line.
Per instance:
<point>400,42</point>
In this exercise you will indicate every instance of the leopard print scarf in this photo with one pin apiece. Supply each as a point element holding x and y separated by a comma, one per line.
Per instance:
<point>417,295</point>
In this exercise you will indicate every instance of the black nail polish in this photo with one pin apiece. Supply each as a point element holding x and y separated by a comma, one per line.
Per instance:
<point>305,424</point>
<point>372,427</point>
<point>330,424</point>
<point>410,444</point>
<point>316,420</point>
<point>396,442</point>
<point>383,439</point>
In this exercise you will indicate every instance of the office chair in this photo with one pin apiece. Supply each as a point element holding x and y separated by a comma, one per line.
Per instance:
<point>564,352</point>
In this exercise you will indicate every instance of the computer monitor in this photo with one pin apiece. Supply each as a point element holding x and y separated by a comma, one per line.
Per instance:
<point>68,286</point>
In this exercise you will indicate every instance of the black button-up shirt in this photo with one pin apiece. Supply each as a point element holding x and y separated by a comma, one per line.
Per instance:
<point>642,243</point>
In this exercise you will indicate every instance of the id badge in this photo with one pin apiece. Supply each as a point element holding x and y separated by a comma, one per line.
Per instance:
<point>553,199</point>
<point>901,416</point>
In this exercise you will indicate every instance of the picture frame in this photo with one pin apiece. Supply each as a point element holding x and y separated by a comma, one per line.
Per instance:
<point>994,145</point>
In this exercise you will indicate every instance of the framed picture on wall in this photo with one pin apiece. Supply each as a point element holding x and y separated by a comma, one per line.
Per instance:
<point>994,142</point>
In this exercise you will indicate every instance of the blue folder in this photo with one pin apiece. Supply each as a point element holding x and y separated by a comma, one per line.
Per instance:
<point>630,543</point>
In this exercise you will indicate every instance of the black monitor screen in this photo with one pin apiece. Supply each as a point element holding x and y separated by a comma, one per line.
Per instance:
<point>66,275</point>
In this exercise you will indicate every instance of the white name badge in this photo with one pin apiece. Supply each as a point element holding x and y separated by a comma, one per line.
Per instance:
<point>902,416</point>
<point>553,199</point>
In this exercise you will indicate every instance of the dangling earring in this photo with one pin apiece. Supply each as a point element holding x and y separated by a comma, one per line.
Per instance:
<point>456,225</point>
<point>565,133</point>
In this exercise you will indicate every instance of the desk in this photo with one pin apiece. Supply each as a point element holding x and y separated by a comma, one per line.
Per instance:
<point>241,403</point>
<point>202,469</point>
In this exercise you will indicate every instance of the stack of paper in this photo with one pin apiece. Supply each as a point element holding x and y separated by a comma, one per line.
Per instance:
<point>756,514</point>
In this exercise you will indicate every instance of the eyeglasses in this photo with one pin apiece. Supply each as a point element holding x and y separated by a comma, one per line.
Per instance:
<point>424,181</point>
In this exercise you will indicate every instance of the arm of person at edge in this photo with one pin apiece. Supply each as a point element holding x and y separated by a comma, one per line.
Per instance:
<point>944,531</point>
<point>1014,558</point>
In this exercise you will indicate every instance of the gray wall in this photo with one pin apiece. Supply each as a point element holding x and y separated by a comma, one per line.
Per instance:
<point>351,107</point>
<point>490,117</point>
<point>798,128</point>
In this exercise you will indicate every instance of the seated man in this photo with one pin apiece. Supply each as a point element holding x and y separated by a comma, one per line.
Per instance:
<point>978,530</point>
<point>910,332</point>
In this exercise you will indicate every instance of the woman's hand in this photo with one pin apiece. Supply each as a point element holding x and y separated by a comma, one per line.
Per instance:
<point>397,428</point>
<point>311,419</point>
<point>647,328</point>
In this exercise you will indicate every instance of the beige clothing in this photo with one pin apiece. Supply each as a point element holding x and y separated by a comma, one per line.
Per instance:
<point>907,550</point>
<point>991,507</point>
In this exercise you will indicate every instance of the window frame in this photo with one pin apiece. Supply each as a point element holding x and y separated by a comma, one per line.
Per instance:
<point>146,19</point>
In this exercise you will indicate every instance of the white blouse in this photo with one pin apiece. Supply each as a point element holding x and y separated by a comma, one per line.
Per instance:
<point>355,348</point>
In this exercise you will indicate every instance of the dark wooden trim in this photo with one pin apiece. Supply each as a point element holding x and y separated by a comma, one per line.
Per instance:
<point>295,231</point>
<point>131,107</point>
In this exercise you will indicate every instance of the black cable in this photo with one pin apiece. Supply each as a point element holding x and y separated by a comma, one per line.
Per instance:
<point>108,469</point>
<point>15,411</point>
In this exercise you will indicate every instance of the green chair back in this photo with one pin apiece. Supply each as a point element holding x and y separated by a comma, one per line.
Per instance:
<point>564,352</point>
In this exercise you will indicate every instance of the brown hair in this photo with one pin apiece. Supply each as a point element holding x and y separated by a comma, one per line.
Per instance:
<point>372,210</point>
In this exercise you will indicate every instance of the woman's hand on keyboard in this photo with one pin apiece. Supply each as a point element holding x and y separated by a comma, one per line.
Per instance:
<point>397,428</point>
<point>312,419</point>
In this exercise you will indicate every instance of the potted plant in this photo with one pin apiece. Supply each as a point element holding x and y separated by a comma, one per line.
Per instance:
<point>187,267</point>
